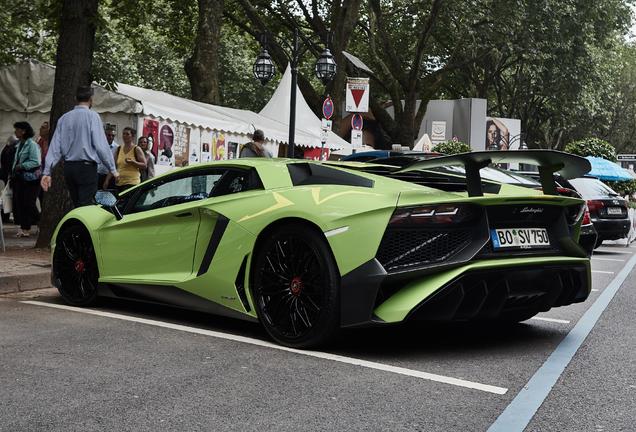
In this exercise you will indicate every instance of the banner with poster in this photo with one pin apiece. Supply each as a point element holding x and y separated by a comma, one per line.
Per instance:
<point>219,147</point>
<point>206,145</point>
<point>181,143</point>
<point>166,140</point>
<point>314,153</point>
<point>232,150</point>
<point>194,148</point>
<point>151,130</point>
<point>502,134</point>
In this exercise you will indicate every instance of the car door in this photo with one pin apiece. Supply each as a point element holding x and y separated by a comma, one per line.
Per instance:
<point>157,236</point>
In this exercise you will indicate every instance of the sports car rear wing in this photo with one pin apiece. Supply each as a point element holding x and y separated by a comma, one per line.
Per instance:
<point>548,161</point>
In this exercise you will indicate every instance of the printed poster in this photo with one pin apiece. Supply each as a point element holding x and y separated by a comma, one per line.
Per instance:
<point>166,141</point>
<point>151,131</point>
<point>219,147</point>
<point>181,144</point>
<point>195,146</point>
<point>206,145</point>
<point>232,150</point>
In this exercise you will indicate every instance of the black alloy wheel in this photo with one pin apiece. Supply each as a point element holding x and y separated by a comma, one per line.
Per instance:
<point>296,287</point>
<point>75,266</point>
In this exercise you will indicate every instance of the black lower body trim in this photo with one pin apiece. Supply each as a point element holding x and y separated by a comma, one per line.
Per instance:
<point>168,296</point>
<point>490,294</point>
<point>358,291</point>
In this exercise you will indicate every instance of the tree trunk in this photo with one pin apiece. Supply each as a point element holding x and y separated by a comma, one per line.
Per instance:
<point>74,60</point>
<point>203,67</point>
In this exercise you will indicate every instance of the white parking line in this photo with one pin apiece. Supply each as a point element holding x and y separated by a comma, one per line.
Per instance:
<point>317,354</point>
<point>595,290</point>
<point>602,271</point>
<point>551,320</point>
<point>607,259</point>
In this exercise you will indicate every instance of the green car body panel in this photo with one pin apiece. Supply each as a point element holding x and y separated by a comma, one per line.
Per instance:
<point>166,246</point>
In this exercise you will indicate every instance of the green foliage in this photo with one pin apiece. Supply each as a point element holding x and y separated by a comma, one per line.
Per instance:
<point>623,187</point>
<point>592,147</point>
<point>452,147</point>
<point>28,31</point>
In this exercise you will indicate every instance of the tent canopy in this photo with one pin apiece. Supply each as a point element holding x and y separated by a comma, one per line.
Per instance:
<point>28,87</point>
<point>278,109</point>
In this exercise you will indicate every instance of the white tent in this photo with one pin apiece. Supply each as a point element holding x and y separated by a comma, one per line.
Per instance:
<point>200,131</point>
<point>278,109</point>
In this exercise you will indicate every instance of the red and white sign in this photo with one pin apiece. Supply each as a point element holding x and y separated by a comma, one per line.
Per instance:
<point>357,95</point>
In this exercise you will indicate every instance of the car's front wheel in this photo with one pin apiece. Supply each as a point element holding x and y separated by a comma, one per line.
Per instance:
<point>75,266</point>
<point>295,285</point>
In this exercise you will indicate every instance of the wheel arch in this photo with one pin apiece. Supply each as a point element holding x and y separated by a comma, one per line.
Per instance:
<point>286,221</point>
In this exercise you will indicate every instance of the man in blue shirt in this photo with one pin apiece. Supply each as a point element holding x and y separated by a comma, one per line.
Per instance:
<point>80,141</point>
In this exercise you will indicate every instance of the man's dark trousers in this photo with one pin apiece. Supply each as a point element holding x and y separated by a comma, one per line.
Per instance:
<point>81,180</point>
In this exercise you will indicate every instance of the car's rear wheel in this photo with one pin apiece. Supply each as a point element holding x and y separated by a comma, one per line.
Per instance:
<point>75,266</point>
<point>295,284</point>
<point>599,242</point>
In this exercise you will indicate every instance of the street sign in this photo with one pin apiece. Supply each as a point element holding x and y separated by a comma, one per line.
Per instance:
<point>327,108</point>
<point>356,138</point>
<point>326,124</point>
<point>356,122</point>
<point>357,95</point>
<point>626,157</point>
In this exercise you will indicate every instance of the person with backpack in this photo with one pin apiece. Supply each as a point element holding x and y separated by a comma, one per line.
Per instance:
<point>256,147</point>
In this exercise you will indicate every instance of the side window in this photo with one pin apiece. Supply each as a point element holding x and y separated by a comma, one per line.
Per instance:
<point>177,191</point>
<point>235,181</point>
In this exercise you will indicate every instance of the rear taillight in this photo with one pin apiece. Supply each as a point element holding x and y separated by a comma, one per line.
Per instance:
<point>586,217</point>
<point>434,214</point>
<point>594,205</point>
<point>567,192</point>
<point>574,213</point>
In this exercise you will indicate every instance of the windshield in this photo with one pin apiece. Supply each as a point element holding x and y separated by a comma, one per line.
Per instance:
<point>495,175</point>
<point>592,188</point>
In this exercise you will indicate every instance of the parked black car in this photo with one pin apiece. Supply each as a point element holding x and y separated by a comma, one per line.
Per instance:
<point>608,210</point>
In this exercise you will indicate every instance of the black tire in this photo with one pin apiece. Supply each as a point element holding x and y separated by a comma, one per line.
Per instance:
<point>75,266</point>
<point>599,242</point>
<point>296,287</point>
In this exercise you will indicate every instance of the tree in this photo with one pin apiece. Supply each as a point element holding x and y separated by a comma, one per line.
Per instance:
<point>333,23</point>
<point>77,23</point>
<point>203,67</point>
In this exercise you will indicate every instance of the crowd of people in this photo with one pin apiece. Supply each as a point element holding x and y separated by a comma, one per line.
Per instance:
<point>92,160</point>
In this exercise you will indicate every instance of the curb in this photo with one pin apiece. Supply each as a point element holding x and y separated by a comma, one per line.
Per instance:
<point>25,282</point>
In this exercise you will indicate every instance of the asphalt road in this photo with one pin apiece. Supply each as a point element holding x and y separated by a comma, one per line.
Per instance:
<point>62,369</point>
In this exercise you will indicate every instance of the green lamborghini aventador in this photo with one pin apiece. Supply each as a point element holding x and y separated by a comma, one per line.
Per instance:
<point>307,247</point>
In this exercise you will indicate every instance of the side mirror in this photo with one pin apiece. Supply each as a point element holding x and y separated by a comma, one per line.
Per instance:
<point>108,200</point>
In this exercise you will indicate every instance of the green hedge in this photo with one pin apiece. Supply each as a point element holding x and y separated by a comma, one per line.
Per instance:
<point>592,147</point>
<point>451,147</point>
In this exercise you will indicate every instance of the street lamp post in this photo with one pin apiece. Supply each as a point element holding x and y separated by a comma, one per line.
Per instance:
<point>264,70</point>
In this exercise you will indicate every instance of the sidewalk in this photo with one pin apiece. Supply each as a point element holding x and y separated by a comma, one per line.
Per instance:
<point>22,267</point>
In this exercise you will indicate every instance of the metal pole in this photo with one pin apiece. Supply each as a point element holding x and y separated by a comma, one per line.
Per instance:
<point>292,100</point>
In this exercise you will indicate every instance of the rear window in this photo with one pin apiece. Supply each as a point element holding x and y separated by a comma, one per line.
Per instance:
<point>592,188</point>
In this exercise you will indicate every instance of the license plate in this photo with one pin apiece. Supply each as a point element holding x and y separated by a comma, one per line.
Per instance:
<point>614,210</point>
<point>520,238</point>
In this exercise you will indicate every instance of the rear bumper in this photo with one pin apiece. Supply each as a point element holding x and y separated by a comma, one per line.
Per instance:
<point>611,229</point>
<point>479,290</point>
